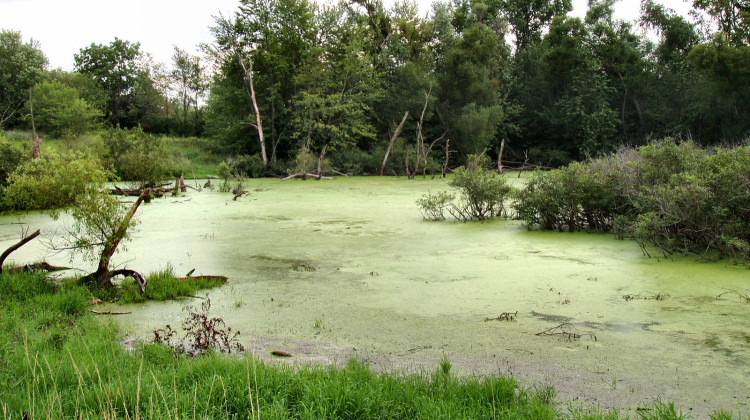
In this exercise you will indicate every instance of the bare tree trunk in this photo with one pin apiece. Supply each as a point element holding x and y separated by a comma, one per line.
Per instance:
<point>393,140</point>
<point>447,156</point>
<point>420,137</point>
<point>19,244</point>
<point>500,157</point>
<point>320,161</point>
<point>35,141</point>
<point>258,124</point>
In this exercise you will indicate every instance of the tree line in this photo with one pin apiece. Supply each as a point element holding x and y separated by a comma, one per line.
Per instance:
<point>367,88</point>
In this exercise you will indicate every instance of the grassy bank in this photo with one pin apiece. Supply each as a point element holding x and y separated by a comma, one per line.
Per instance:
<point>191,155</point>
<point>57,360</point>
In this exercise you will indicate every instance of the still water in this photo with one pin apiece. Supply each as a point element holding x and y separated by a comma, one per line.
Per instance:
<point>327,270</point>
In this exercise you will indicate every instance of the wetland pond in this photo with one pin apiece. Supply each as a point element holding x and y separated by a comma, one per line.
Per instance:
<point>327,270</point>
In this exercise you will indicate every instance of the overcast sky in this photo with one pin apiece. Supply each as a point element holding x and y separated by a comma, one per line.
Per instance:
<point>64,27</point>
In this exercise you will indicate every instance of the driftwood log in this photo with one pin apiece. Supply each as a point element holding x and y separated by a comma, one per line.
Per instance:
<point>305,175</point>
<point>223,279</point>
<point>40,266</point>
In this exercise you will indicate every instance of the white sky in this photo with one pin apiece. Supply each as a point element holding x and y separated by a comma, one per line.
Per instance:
<point>63,27</point>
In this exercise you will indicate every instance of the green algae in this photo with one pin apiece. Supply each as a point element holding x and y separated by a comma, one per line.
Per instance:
<point>354,255</point>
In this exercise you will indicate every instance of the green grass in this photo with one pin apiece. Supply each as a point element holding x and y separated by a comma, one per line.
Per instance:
<point>191,156</point>
<point>164,285</point>
<point>59,361</point>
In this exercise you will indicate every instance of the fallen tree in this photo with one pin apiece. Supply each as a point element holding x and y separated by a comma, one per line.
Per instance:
<point>24,240</point>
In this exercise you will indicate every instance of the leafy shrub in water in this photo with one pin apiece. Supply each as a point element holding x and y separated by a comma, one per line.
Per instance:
<point>575,197</point>
<point>677,197</point>
<point>481,194</point>
<point>52,182</point>
<point>433,206</point>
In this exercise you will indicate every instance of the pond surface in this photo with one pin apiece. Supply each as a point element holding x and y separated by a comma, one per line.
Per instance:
<point>331,269</point>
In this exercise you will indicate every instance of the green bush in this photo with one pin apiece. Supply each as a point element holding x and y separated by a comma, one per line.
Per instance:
<point>137,156</point>
<point>250,166</point>
<point>677,197</point>
<point>352,161</point>
<point>52,182</point>
<point>11,156</point>
<point>433,206</point>
<point>578,196</point>
<point>481,192</point>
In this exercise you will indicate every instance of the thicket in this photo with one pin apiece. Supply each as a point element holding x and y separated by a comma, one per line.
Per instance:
<point>134,155</point>
<point>52,182</point>
<point>676,196</point>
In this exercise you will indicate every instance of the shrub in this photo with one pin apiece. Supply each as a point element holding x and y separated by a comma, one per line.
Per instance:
<point>137,156</point>
<point>52,182</point>
<point>248,166</point>
<point>351,161</point>
<point>575,197</point>
<point>677,197</point>
<point>225,172</point>
<point>11,156</point>
<point>481,191</point>
<point>481,194</point>
<point>433,206</point>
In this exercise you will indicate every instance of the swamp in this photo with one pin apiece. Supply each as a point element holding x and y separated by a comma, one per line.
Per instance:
<point>329,270</point>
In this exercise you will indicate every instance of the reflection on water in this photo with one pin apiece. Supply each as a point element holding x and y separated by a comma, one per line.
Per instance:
<point>329,269</point>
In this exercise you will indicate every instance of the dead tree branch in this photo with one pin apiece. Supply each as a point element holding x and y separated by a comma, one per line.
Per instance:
<point>14,247</point>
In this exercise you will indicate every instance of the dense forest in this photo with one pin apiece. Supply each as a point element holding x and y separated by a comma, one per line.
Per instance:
<point>356,82</point>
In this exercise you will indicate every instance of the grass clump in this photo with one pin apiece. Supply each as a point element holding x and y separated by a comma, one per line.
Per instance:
<point>165,285</point>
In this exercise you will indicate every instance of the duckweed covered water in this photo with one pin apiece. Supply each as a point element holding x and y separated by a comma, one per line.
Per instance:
<point>330,269</point>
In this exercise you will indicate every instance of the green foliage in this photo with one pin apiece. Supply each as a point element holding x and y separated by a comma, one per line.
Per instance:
<point>732,17</point>
<point>11,156</point>
<point>677,197</point>
<point>433,206</point>
<point>53,182</point>
<point>97,216</point>
<point>578,196</point>
<point>21,66</point>
<point>250,166</point>
<point>137,156</point>
<point>481,192</point>
<point>116,69</point>
<point>61,111</point>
